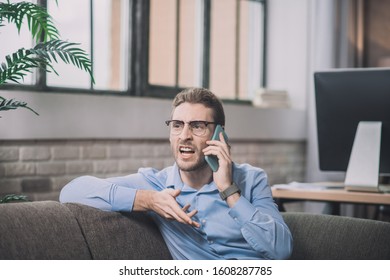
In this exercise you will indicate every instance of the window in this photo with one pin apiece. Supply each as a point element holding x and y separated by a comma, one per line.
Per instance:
<point>218,44</point>
<point>155,48</point>
<point>101,27</point>
<point>236,44</point>
<point>73,25</point>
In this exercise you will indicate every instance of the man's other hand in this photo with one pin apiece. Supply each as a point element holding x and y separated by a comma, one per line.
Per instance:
<point>164,203</point>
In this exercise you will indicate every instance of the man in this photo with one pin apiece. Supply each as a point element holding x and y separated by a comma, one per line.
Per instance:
<point>227,214</point>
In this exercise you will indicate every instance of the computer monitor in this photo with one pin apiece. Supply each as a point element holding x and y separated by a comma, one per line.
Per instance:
<point>345,100</point>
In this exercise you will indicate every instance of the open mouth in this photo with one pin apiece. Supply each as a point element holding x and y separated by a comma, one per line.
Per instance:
<point>186,150</point>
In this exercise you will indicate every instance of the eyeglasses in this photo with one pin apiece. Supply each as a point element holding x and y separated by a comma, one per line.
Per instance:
<point>198,128</point>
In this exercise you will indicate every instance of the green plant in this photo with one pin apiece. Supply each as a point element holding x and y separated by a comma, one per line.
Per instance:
<point>13,198</point>
<point>48,49</point>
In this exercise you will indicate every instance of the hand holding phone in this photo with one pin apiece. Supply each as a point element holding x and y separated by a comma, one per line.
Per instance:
<point>213,160</point>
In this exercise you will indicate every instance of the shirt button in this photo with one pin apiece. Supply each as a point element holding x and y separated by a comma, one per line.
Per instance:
<point>211,241</point>
<point>203,221</point>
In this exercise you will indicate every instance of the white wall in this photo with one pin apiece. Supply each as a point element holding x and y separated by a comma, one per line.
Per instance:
<point>81,116</point>
<point>288,49</point>
<point>301,41</point>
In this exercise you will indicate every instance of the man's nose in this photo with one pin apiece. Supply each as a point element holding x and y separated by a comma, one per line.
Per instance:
<point>186,133</point>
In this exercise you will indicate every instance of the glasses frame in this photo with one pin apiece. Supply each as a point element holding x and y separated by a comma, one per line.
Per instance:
<point>190,124</point>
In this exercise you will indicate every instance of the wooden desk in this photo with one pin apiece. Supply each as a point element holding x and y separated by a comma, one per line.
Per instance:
<point>334,197</point>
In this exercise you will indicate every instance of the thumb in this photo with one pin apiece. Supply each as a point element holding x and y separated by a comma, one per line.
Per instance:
<point>175,193</point>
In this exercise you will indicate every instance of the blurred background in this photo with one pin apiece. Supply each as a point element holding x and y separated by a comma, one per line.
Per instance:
<point>258,56</point>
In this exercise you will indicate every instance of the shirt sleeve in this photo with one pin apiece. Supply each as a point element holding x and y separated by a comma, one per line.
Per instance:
<point>261,224</point>
<point>112,194</point>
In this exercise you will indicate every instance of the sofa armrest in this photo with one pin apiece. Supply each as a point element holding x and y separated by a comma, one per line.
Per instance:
<point>115,235</point>
<point>326,237</point>
<point>40,230</point>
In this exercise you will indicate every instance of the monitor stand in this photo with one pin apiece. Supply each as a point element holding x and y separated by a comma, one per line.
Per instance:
<point>363,167</point>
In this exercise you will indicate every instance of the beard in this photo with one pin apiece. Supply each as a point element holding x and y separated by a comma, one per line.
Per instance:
<point>196,163</point>
<point>191,166</point>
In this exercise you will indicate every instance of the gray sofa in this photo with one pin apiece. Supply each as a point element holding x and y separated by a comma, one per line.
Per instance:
<point>50,230</point>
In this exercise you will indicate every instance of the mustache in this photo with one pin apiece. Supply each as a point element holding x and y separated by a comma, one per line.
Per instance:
<point>185,143</point>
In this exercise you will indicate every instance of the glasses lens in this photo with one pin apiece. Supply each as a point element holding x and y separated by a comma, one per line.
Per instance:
<point>176,127</point>
<point>198,127</point>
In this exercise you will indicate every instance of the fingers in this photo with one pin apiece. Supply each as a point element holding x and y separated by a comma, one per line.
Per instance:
<point>190,221</point>
<point>222,151</point>
<point>181,216</point>
<point>215,146</point>
<point>186,207</point>
<point>190,214</point>
<point>165,205</point>
<point>175,193</point>
<point>223,139</point>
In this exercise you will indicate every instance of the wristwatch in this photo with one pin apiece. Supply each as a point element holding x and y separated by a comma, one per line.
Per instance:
<point>232,189</point>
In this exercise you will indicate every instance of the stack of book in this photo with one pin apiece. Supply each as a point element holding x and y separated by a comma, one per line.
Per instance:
<point>265,98</point>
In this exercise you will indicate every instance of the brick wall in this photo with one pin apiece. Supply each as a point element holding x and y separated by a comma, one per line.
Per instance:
<point>39,169</point>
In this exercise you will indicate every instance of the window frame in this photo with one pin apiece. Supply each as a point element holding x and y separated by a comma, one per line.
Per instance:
<point>171,91</point>
<point>138,85</point>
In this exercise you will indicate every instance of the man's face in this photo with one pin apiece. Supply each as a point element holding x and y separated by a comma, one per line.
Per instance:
<point>187,147</point>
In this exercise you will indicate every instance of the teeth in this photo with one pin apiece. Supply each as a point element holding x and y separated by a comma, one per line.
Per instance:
<point>186,149</point>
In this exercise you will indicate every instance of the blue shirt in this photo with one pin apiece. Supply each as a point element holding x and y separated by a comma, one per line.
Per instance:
<point>252,229</point>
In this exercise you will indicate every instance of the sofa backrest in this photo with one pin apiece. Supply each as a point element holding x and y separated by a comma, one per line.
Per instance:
<point>326,237</point>
<point>114,235</point>
<point>40,230</point>
<point>50,230</point>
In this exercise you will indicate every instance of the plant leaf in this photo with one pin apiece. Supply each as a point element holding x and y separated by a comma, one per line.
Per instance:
<point>13,104</point>
<point>38,19</point>
<point>13,197</point>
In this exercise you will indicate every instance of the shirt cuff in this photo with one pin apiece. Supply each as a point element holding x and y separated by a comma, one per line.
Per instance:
<point>243,211</point>
<point>123,199</point>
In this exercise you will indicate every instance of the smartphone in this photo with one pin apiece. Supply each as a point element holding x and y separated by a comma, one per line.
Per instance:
<point>213,160</point>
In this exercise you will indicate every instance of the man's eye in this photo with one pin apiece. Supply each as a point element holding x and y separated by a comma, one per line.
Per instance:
<point>177,124</point>
<point>198,125</point>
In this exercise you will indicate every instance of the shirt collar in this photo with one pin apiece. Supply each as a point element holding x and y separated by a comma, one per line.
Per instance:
<point>174,181</point>
<point>173,178</point>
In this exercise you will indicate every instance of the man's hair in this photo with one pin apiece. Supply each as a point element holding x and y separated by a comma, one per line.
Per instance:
<point>201,96</point>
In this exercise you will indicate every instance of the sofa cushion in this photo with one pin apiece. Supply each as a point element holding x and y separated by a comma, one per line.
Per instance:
<point>335,237</point>
<point>115,235</point>
<point>40,230</point>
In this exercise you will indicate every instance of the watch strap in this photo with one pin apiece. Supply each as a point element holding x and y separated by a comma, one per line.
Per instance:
<point>232,189</point>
